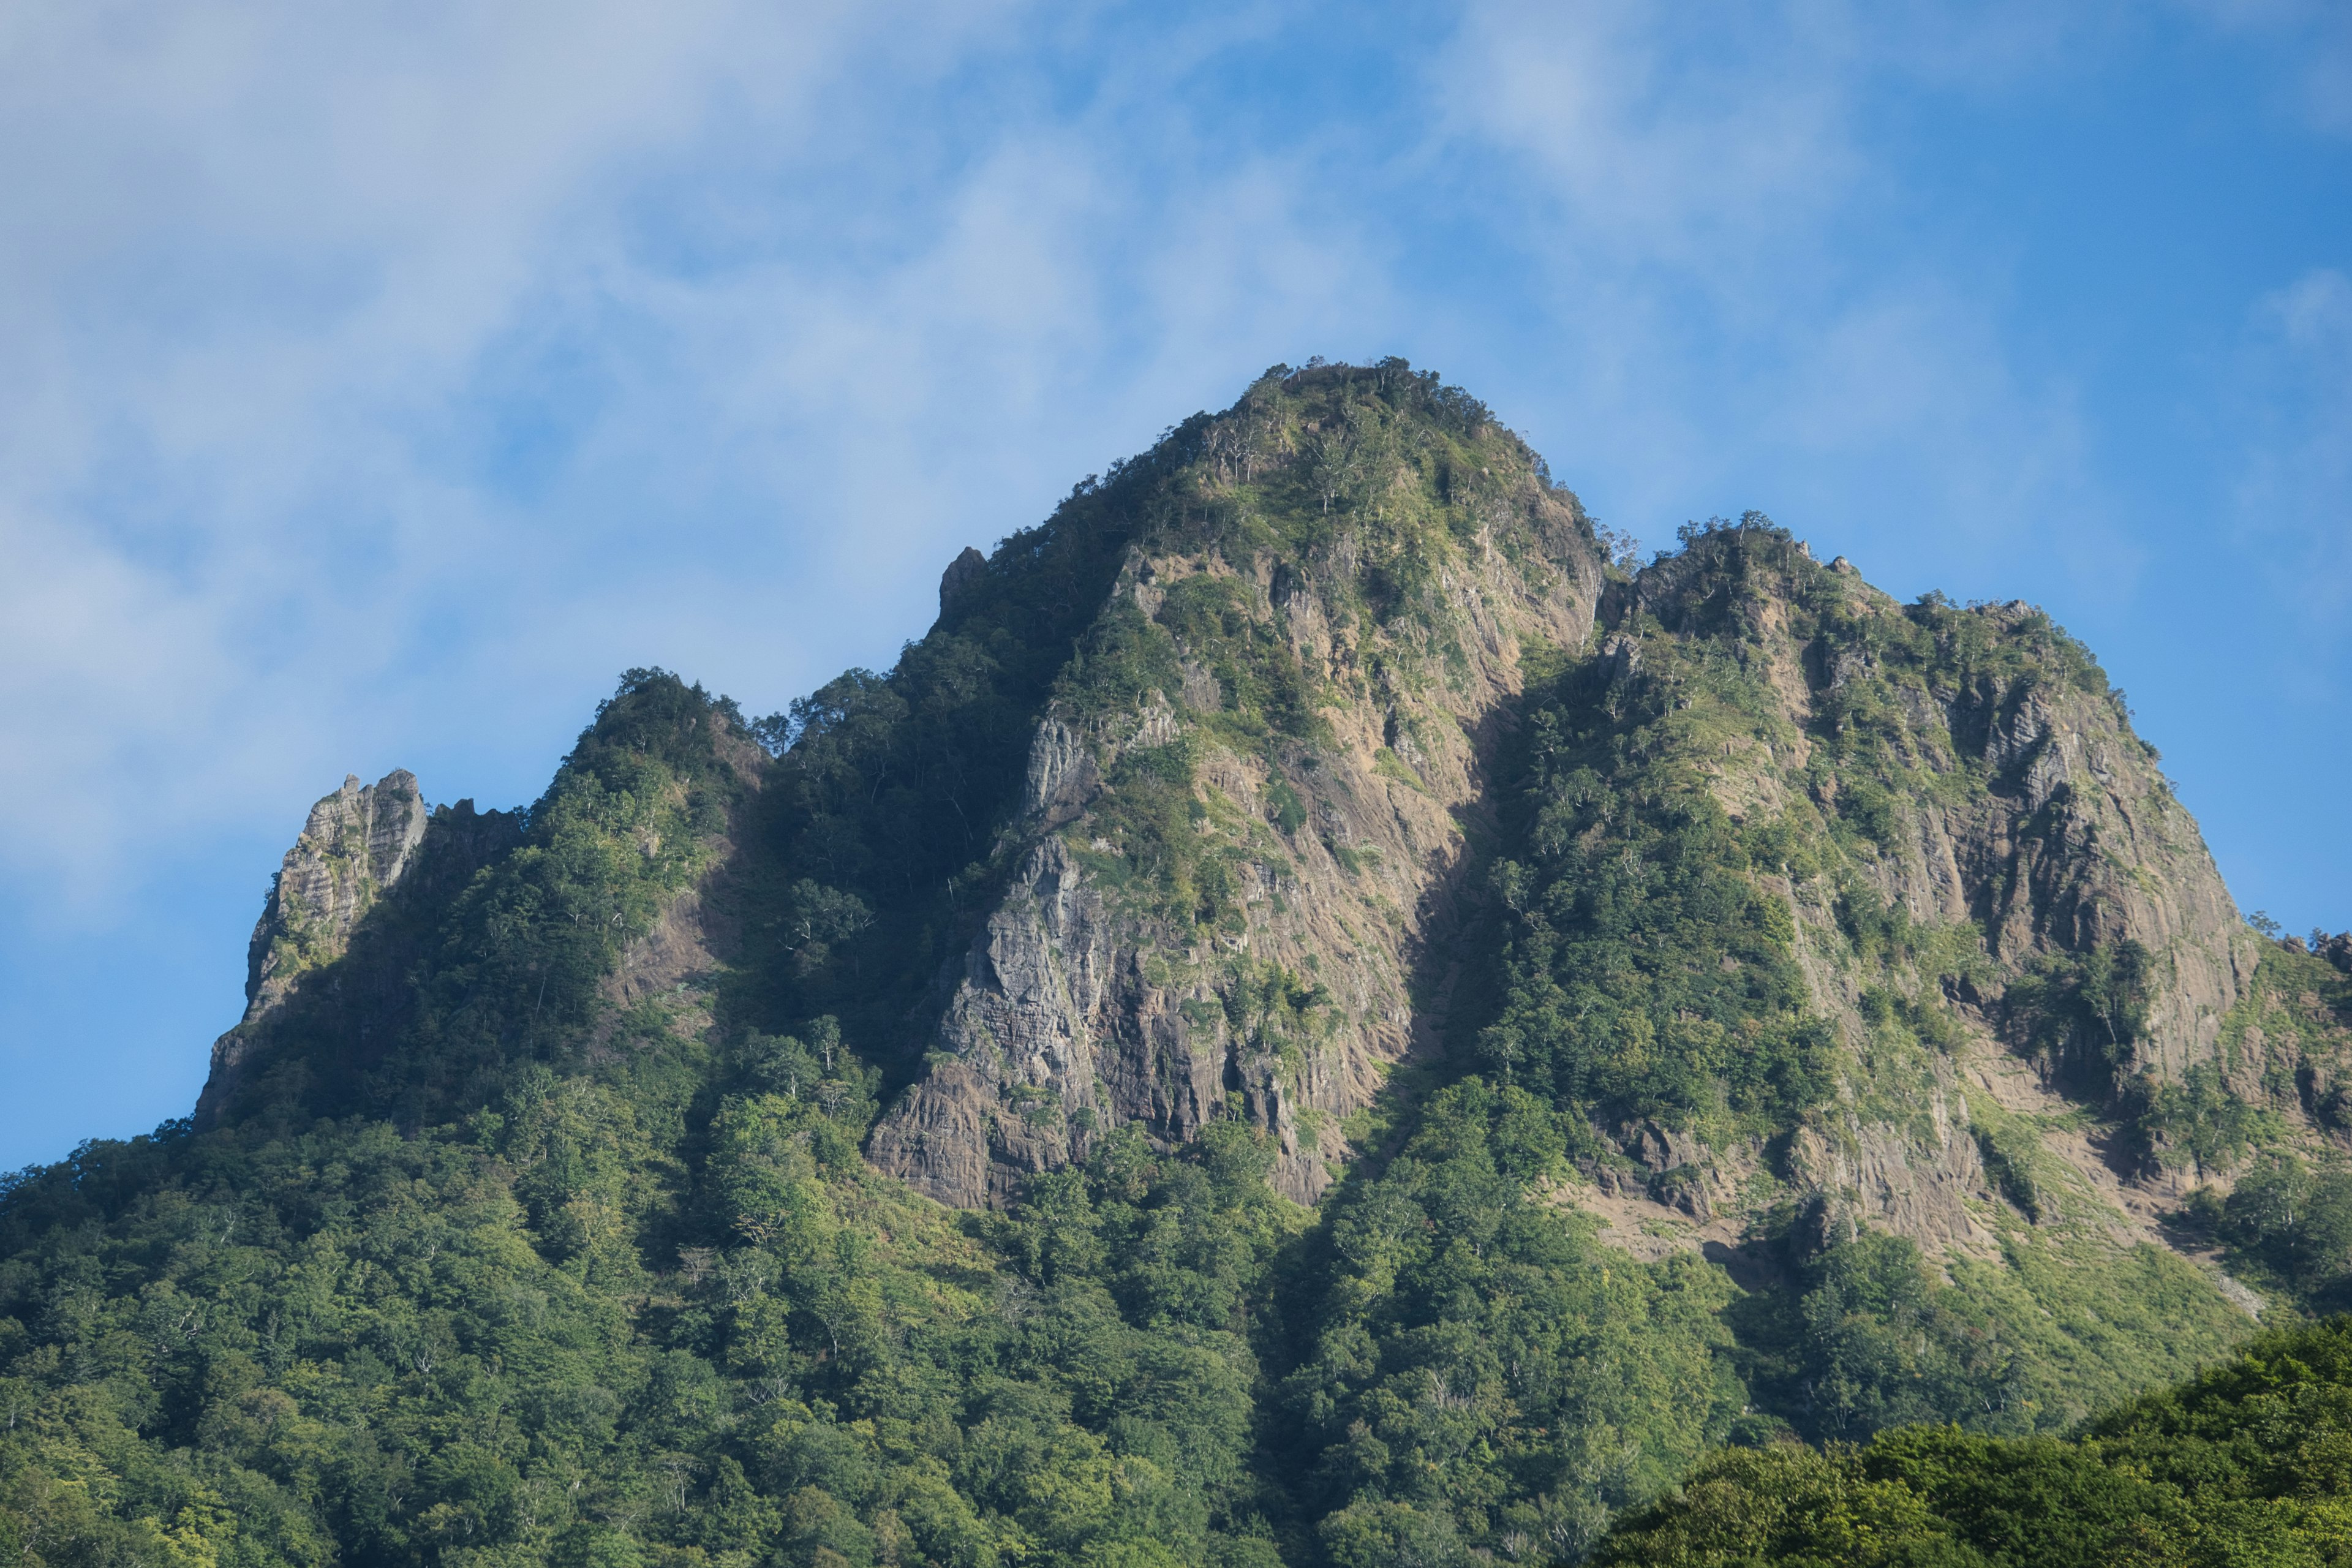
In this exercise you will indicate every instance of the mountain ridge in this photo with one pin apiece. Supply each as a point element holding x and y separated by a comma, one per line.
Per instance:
<point>1316,1016</point>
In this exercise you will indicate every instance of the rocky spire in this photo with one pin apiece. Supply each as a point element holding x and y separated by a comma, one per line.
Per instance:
<point>352,852</point>
<point>355,849</point>
<point>962,574</point>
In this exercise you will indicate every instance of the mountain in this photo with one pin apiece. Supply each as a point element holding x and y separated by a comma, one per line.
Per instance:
<point>1324,1014</point>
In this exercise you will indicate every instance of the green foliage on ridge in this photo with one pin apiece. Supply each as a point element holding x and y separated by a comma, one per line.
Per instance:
<point>2249,1463</point>
<point>482,1262</point>
<point>1478,1372</point>
<point>474,969</point>
<point>1477,1369</point>
<point>1649,975</point>
<point>641,1303</point>
<point>492,1257</point>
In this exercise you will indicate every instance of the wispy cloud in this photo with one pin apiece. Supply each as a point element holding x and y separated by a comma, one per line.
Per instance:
<point>246,254</point>
<point>2293,425</point>
<point>395,382</point>
<point>1663,137</point>
<point>1754,309</point>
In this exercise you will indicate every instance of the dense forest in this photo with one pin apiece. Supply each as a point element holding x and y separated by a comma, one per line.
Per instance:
<point>1561,1057</point>
<point>2248,1463</point>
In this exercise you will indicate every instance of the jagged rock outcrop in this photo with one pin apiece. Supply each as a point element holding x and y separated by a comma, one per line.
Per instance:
<point>969,567</point>
<point>1232,877</point>
<point>2023,812</point>
<point>2337,950</point>
<point>350,854</point>
<point>2081,844</point>
<point>1088,1002</point>
<point>1969,771</point>
<point>355,847</point>
<point>2075,841</point>
<point>1759,918</point>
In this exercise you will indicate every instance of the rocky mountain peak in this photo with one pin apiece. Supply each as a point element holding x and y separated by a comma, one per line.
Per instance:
<point>353,850</point>
<point>1243,821</point>
<point>1453,1024</point>
<point>350,852</point>
<point>969,566</point>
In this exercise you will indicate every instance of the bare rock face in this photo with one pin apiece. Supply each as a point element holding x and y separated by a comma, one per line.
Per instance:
<point>2036,828</point>
<point>355,847</point>
<point>351,853</point>
<point>1088,1003</point>
<point>2337,950</point>
<point>1918,1183</point>
<point>2081,845</point>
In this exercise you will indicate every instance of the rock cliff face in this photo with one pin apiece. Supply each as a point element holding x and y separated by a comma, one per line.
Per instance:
<point>1245,868</point>
<point>403,956</point>
<point>1276,974</point>
<point>1087,1004</point>
<point>1978,830</point>
<point>1321,793</point>
<point>355,849</point>
<point>1964,773</point>
<point>350,854</point>
<point>2037,818</point>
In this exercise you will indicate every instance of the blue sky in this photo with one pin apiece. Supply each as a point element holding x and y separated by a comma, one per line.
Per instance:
<point>383,381</point>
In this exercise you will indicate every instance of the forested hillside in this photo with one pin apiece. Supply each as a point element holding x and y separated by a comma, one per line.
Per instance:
<point>2249,1463</point>
<point>1325,1014</point>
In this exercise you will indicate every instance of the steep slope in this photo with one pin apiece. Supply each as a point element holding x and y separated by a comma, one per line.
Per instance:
<point>1967,862</point>
<point>1737,1017</point>
<point>563,1271</point>
<point>357,844</point>
<point>1237,834</point>
<point>506,936</point>
<point>1702,1002</point>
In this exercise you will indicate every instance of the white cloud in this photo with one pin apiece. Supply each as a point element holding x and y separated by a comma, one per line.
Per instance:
<point>393,378</point>
<point>393,384</point>
<point>248,257</point>
<point>1665,135</point>
<point>383,378</point>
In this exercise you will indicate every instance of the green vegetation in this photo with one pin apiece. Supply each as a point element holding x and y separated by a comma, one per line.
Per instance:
<point>551,1280</point>
<point>902,792</point>
<point>2250,1463</point>
<point>2285,1226</point>
<point>1647,974</point>
<point>2082,1014</point>
<point>352,1346</point>
<point>497,1251</point>
<point>1477,1371</point>
<point>469,967</point>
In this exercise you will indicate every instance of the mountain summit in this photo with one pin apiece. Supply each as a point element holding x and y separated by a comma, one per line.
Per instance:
<point>1323,1014</point>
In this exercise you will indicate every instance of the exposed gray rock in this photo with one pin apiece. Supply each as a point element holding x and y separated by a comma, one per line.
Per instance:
<point>2337,951</point>
<point>1659,1148</point>
<point>1898,1181</point>
<point>355,849</point>
<point>1062,773</point>
<point>1076,1012</point>
<point>352,852</point>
